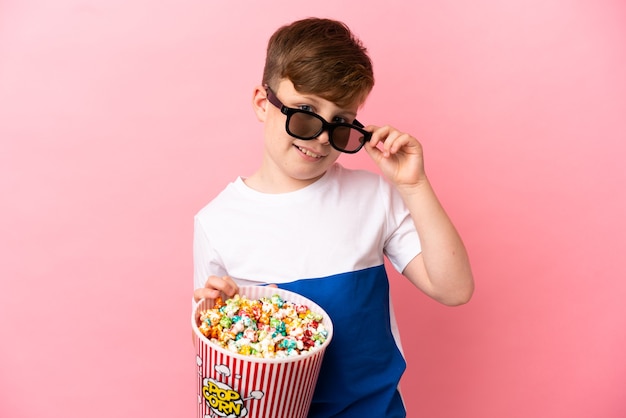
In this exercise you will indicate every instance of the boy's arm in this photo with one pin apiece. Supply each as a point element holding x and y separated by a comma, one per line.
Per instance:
<point>442,270</point>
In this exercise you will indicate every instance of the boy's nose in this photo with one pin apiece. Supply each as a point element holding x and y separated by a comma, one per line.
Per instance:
<point>324,137</point>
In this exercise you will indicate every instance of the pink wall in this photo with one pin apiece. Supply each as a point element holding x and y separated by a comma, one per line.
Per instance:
<point>119,120</point>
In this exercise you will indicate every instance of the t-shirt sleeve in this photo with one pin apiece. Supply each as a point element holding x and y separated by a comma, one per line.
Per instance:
<point>402,242</point>
<point>206,262</point>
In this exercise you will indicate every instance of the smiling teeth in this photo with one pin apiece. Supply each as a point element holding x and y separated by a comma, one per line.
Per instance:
<point>309,153</point>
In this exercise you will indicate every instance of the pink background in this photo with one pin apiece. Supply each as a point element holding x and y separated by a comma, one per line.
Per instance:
<point>120,119</point>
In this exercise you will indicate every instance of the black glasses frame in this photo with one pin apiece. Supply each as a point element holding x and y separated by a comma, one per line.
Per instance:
<point>326,126</point>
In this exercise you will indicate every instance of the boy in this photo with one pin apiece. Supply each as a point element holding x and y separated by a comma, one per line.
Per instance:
<point>306,224</point>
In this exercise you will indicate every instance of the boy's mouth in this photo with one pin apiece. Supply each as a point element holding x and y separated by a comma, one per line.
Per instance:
<point>308,152</point>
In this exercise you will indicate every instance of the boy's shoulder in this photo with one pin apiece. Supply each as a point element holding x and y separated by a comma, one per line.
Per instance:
<point>222,198</point>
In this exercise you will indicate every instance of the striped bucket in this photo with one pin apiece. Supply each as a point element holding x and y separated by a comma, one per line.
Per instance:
<point>233,385</point>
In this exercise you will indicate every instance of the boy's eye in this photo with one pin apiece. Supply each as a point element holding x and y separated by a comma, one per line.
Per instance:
<point>309,108</point>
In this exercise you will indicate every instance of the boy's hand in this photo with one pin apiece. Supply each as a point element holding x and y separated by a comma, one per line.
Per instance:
<point>398,155</point>
<point>215,287</point>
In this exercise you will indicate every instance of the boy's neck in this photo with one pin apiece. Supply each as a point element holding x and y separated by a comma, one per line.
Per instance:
<point>265,182</point>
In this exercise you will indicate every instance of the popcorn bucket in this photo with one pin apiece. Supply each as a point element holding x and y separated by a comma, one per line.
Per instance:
<point>234,385</point>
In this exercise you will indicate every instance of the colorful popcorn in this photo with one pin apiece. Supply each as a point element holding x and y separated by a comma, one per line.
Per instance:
<point>267,327</point>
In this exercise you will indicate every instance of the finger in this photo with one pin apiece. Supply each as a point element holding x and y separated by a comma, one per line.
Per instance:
<point>397,141</point>
<point>387,137</point>
<point>375,147</point>
<point>376,135</point>
<point>205,293</point>
<point>217,287</point>
<point>230,287</point>
<point>374,152</point>
<point>225,284</point>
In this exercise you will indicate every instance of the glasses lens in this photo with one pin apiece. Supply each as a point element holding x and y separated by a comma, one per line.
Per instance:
<point>347,139</point>
<point>307,125</point>
<point>304,125</point>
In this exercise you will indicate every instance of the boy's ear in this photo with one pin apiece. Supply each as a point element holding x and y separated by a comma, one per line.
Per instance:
<point>260,103</point>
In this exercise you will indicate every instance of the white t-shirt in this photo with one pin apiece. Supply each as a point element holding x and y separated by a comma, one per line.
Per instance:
<point>343,222</point>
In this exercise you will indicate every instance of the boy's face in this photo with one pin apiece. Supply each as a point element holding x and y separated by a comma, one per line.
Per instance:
<point>295,162</point>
